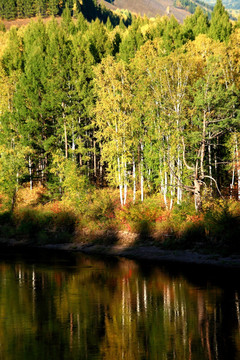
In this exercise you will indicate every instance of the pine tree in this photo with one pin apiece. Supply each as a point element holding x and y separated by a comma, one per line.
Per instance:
<point>89,9</point>
<point>131,42</point>
<point>10,9</point>
<point>40,7</point>
<point>52,8</point>
<point>220,26</point>
<point>20,9</point>
<point>29,8</point>
<point>197,23</point>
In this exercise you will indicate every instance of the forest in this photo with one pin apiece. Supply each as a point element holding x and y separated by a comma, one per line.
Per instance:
<point>144,108</point>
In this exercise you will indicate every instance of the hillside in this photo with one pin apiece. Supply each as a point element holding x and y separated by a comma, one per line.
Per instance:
<point>151,8</point>
<point>229,4</point>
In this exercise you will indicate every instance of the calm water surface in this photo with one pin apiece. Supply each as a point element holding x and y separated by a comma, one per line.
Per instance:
<point>72,306</point>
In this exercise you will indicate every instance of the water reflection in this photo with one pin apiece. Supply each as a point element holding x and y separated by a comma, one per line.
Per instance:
<point>95,309</point>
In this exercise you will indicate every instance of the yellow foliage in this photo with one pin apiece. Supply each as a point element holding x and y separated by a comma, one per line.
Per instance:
<point>27,197</point>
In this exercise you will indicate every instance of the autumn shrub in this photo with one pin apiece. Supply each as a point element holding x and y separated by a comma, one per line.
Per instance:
<point>2,27</point>
<point>42,225</point>
<point>101,207</point>
<point>141,217</point>
<point>180,227</point>
<point>6,225</point>
<point>222,227</point>
<point>27,197</point>
<point>29,222</point>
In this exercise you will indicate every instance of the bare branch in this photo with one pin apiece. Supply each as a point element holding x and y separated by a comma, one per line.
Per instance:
<point>210,177</point>
<point>184,158</point>
<point>216,135</point>
<point>186,187</point>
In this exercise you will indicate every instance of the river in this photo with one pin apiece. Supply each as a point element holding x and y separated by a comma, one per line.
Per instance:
<point>58,305</point>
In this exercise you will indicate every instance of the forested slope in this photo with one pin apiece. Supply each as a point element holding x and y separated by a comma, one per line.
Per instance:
<point>152,108</point>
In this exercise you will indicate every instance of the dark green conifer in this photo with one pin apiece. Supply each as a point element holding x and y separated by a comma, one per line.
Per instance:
<point>10,9</point>
<point>197,23</point>
<point>220,26</point>
<point>20,9</point>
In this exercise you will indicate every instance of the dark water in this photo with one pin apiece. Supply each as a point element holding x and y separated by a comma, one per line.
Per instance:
<point>72,306</point>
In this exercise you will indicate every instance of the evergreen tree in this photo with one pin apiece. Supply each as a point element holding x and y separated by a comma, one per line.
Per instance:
<point>40,7</point>
<point>28,109</point>
<point>52,7</point>
<point>220,26</point>
<point>20,9</point>
<point>131,42</point>
<point>10,9</point>
<point>98,40</point>
<point>29,9</point>
<point>197,23</point>
<point>67,22</point>
<point>82,24</point>
<point>89,9</point>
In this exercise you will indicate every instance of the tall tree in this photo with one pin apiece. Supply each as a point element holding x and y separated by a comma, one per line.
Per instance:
<point>220,25</point>
<point>114,121</point>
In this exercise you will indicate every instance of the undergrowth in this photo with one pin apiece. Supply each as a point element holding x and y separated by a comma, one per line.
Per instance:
<point>215,229</point>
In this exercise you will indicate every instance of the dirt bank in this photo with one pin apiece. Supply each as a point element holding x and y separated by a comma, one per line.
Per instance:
<point>149,252</point>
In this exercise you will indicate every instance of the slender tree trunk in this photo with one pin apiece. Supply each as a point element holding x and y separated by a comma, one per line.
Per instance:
<point>233,170</point>
<point>197,195</point>
<point>172,178</point>
<point>134,180</point>
<point>30,172</point>
<point>65,138</point>
<point>120,182</point>
<point>210,165</point>
<point>179,172</point>
<point>141,174</point>
<point>125,182</point>
<point>65,131</point>
<point>238,170</point>
<point>165,188</point>
<point>13,201</point>
<point>73,144</point>
<point>94,159</point>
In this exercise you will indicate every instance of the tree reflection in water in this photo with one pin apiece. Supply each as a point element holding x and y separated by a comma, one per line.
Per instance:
<point>96,309</point>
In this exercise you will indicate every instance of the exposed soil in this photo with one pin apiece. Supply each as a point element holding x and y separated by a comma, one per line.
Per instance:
<point>130,249</point>
<point>22,22</point>
<point>151,8</point>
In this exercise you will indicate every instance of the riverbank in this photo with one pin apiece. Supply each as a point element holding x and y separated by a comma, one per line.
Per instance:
<point>144,230</point>
<point>138,252</point>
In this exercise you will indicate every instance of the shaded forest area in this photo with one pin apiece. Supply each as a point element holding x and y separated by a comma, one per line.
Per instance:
<point>149,110</point>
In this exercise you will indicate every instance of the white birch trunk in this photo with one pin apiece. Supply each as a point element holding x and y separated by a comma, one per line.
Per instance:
<point>233,171</point>
<point>120,182</point>
<point>141,175</point>
<point>165,188</point>
<point>210,164</point>
<point>94,159</point>
<point>73,144</point>
<point>125,183</point>
<point>172,184</point>
<point>238,170</point>
<point>134,180</point>
<point>179,188</point>
<point>30,172</point>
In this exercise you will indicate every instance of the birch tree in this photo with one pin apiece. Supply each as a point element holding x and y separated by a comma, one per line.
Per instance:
<point>114,122</point>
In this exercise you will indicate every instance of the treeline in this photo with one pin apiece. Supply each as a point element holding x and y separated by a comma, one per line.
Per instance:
<point>13,9</point>
<point>186,4</point>
<point>149,108</point>
<point>191,6</point>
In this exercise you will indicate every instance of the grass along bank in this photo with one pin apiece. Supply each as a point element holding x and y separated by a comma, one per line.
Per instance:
<point>98,218</point>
